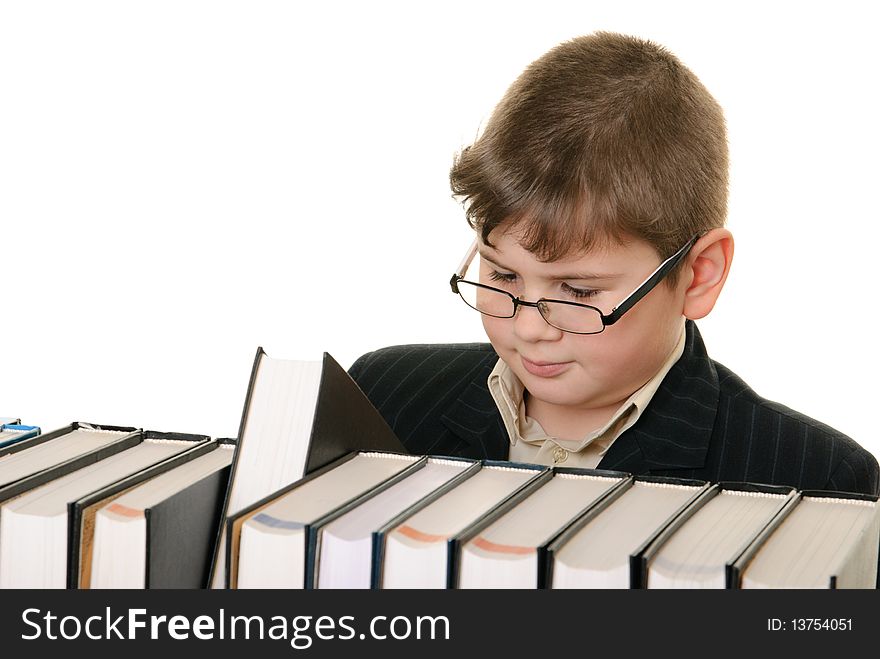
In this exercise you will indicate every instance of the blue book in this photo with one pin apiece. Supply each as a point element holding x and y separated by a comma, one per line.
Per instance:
<point>12,433</point>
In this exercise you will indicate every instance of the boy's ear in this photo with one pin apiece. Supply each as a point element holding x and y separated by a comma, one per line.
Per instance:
<point>708,262</point>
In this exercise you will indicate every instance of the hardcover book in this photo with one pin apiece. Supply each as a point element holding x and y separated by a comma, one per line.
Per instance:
<point>273,544</point>
<point>603,548</point>
<point>298,416</point>
<point>827,540</point>
<point>12,433</point>
<point>510,550</point>
<point>352,545</point>
<point>701,546</point>
<point>422,549</point>
<point>161,532</point>
<point>25,465</point>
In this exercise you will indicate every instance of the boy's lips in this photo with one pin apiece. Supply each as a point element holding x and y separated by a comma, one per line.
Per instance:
<point>544,369</point>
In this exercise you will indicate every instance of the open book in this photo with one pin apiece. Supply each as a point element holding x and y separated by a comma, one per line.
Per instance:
<point>298,416</point>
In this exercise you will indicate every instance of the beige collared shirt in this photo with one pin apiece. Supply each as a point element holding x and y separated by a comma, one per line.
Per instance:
<point>528,441</point>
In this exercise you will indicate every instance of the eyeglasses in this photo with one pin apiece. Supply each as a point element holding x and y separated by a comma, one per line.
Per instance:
<point>567,316</point>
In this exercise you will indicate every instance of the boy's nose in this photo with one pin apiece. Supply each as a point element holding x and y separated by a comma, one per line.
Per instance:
<point>529,325</point>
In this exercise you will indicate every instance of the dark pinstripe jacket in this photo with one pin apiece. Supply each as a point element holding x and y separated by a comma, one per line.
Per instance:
<point>703,422</point>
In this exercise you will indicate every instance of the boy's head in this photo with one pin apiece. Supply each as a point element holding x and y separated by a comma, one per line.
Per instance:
<point>605,157</point>
<point>603,139</point>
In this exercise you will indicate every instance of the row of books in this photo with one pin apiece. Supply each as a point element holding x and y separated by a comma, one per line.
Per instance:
<point>90,506</point>
<point>316,491</point>
<point>384,520</point>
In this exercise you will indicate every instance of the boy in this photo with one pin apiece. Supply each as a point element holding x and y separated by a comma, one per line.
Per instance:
<point>598,193</point>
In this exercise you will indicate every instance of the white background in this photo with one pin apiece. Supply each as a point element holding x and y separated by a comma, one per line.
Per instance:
<point>181,182</point>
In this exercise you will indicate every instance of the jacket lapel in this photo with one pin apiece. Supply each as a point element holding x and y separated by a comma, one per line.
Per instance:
<point>474,418</point>
<point>675,430</point>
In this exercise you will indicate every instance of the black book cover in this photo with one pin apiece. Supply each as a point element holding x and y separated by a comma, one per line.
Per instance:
<point>194,514</point>
<point>80,513</point>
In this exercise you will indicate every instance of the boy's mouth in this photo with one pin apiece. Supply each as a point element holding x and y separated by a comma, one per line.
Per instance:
<point>544,369</point>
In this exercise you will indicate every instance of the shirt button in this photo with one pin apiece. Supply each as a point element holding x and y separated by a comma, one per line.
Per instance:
<point>559,455</point>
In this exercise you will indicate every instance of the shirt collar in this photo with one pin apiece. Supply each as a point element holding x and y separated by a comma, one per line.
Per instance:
<point>509,394</point>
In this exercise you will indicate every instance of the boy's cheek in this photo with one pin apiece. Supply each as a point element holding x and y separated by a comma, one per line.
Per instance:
<point>495,330</point>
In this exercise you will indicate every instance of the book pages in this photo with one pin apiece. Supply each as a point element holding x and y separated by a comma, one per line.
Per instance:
<point>697,554</point>
<point>504,555</point>
<point>598,555</point>
<point>53,452</point>
<point>275,437</point>
<point>269,554</point>
<point>172,481</point>
<point>416,551</point>
<point>823,537</point>
<point>346,543</point>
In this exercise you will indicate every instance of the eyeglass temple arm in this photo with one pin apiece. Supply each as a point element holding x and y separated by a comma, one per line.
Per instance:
<point>646,286</point>
<point>463,266</point>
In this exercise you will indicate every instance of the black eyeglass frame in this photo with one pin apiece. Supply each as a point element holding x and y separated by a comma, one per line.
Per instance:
<point>607,319</point>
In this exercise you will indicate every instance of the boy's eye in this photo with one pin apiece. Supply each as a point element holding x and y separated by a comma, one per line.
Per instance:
<point>506,277</point>
<point>579,293</point>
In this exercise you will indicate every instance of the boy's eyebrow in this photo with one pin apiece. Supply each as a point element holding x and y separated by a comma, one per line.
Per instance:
<point>591,276</point>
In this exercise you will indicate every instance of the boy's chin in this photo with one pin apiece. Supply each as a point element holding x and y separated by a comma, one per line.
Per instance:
<point>557,392</point>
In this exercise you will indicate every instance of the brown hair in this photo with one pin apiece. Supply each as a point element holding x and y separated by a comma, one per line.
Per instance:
<point>604,137</point>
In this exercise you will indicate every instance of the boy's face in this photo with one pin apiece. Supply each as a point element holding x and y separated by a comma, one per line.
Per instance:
<point>582,373</point>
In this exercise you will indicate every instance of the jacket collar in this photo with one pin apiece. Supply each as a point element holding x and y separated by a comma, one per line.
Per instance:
<point>675,429</point>
<point>673,432</point>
